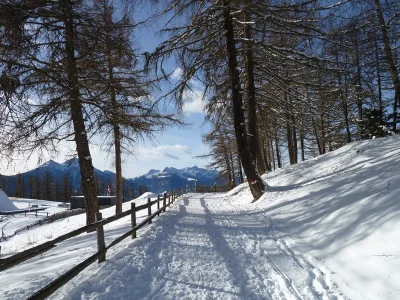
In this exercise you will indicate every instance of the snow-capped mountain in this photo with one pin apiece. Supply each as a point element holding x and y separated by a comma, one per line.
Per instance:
<point>155,181</point>
<point>171,178</point>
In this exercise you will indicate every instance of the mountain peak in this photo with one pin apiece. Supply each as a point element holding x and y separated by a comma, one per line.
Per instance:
<point>50,164</point>
<point>153,171</point>
<point>169,170</point>
<point>71,162</point>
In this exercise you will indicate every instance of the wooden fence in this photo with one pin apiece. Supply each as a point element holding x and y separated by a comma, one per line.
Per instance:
<point>100,256</point>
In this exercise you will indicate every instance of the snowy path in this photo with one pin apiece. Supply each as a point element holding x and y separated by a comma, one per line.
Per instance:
<point>204,249</point>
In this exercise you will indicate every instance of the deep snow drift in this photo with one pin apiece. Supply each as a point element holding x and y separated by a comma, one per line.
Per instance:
<point>327,229</point>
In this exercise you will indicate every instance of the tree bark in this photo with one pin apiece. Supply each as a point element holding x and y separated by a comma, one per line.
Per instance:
<point>379,82</point>
<point>249,166</point>
<point>117,134</point>
<point>303,158</point>
<point>343,97</point>
<point>278,155</point>
<point>272,153</point>
<point>232,168</point>
<point>252,102</point>
<point>358,77</point>
<point>240,170</point>
<point>316,136</point>
<point>82,145</point>
<point>390,61</point>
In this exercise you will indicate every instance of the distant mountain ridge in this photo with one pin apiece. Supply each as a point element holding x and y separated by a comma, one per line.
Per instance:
<point>156,181</point>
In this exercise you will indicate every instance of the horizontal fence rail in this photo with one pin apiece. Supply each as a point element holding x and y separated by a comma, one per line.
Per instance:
<point>98,226</point>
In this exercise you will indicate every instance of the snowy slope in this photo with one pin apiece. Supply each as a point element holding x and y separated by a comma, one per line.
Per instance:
<point>327,229</point>
<point>342,210</point>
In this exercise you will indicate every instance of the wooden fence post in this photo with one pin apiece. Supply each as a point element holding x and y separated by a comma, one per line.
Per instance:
<point>196,186</point>
<point>164,201</point>
<point>101,245</point>
<point>149,208</point>
<point>133,218</point>
<point>158,204</point>
<point>215,187</point>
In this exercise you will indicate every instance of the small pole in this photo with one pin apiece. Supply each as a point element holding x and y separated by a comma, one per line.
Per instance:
<point>215,187</point>
<point>101,245</point>
<point>36,213</point>
<point>164,201</point>
<point>158,203</point>
<point>196,186</point>
<point>149,208</point>
<point>133,218</point>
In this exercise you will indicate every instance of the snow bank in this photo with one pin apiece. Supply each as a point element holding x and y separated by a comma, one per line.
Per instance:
<point>342,211</point>
<point>146,195</point>
<point>5,203</point>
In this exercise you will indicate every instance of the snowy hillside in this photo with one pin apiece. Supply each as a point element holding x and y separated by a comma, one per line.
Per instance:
<point>327,229</point>
<point>342,211</point>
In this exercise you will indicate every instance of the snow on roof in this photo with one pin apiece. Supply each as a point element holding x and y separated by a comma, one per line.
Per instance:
<point>5,203</point>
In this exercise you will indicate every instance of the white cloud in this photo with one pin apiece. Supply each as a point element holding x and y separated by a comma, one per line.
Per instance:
<point>177,74</point>
<point>193,98</point>
<point>193,102</point>
<point>167,151</point>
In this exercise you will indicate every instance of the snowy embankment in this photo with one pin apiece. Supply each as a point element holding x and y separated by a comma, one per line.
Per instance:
<point>342,211</point>
<point>327,229</point>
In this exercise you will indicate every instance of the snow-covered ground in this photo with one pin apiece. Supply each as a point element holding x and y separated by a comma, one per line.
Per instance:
<point>10,223</point>
<point>327,229</point>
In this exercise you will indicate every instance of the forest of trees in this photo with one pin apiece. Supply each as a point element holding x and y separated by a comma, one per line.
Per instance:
<point>48,186</point>
<point>284,80</point>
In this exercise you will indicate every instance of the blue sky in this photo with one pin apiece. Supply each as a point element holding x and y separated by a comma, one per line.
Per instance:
<point>175,147</point>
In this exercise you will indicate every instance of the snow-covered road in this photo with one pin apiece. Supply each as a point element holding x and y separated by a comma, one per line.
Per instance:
<point>204,248</point>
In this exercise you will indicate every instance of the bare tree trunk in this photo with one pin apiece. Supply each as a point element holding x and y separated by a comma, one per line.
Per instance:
<point>358,77</point>
<point>228,169</point>
<point>240,170</point>
<point>390,60</point>
<point>272,153</point>
<point>117,134</point>
<point>289,139</point>
<point>316,136</point>
<point>265,153</point>
<point>344,104</point>
<point>378,77</point>
<point>82,144</point>
<point>254,180</point>
<point>278,155</point>
<point>294,141</point>
<point>323,144</point>
<point>252,103</point>
<point>302,146</point>
<point>232,168</point>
